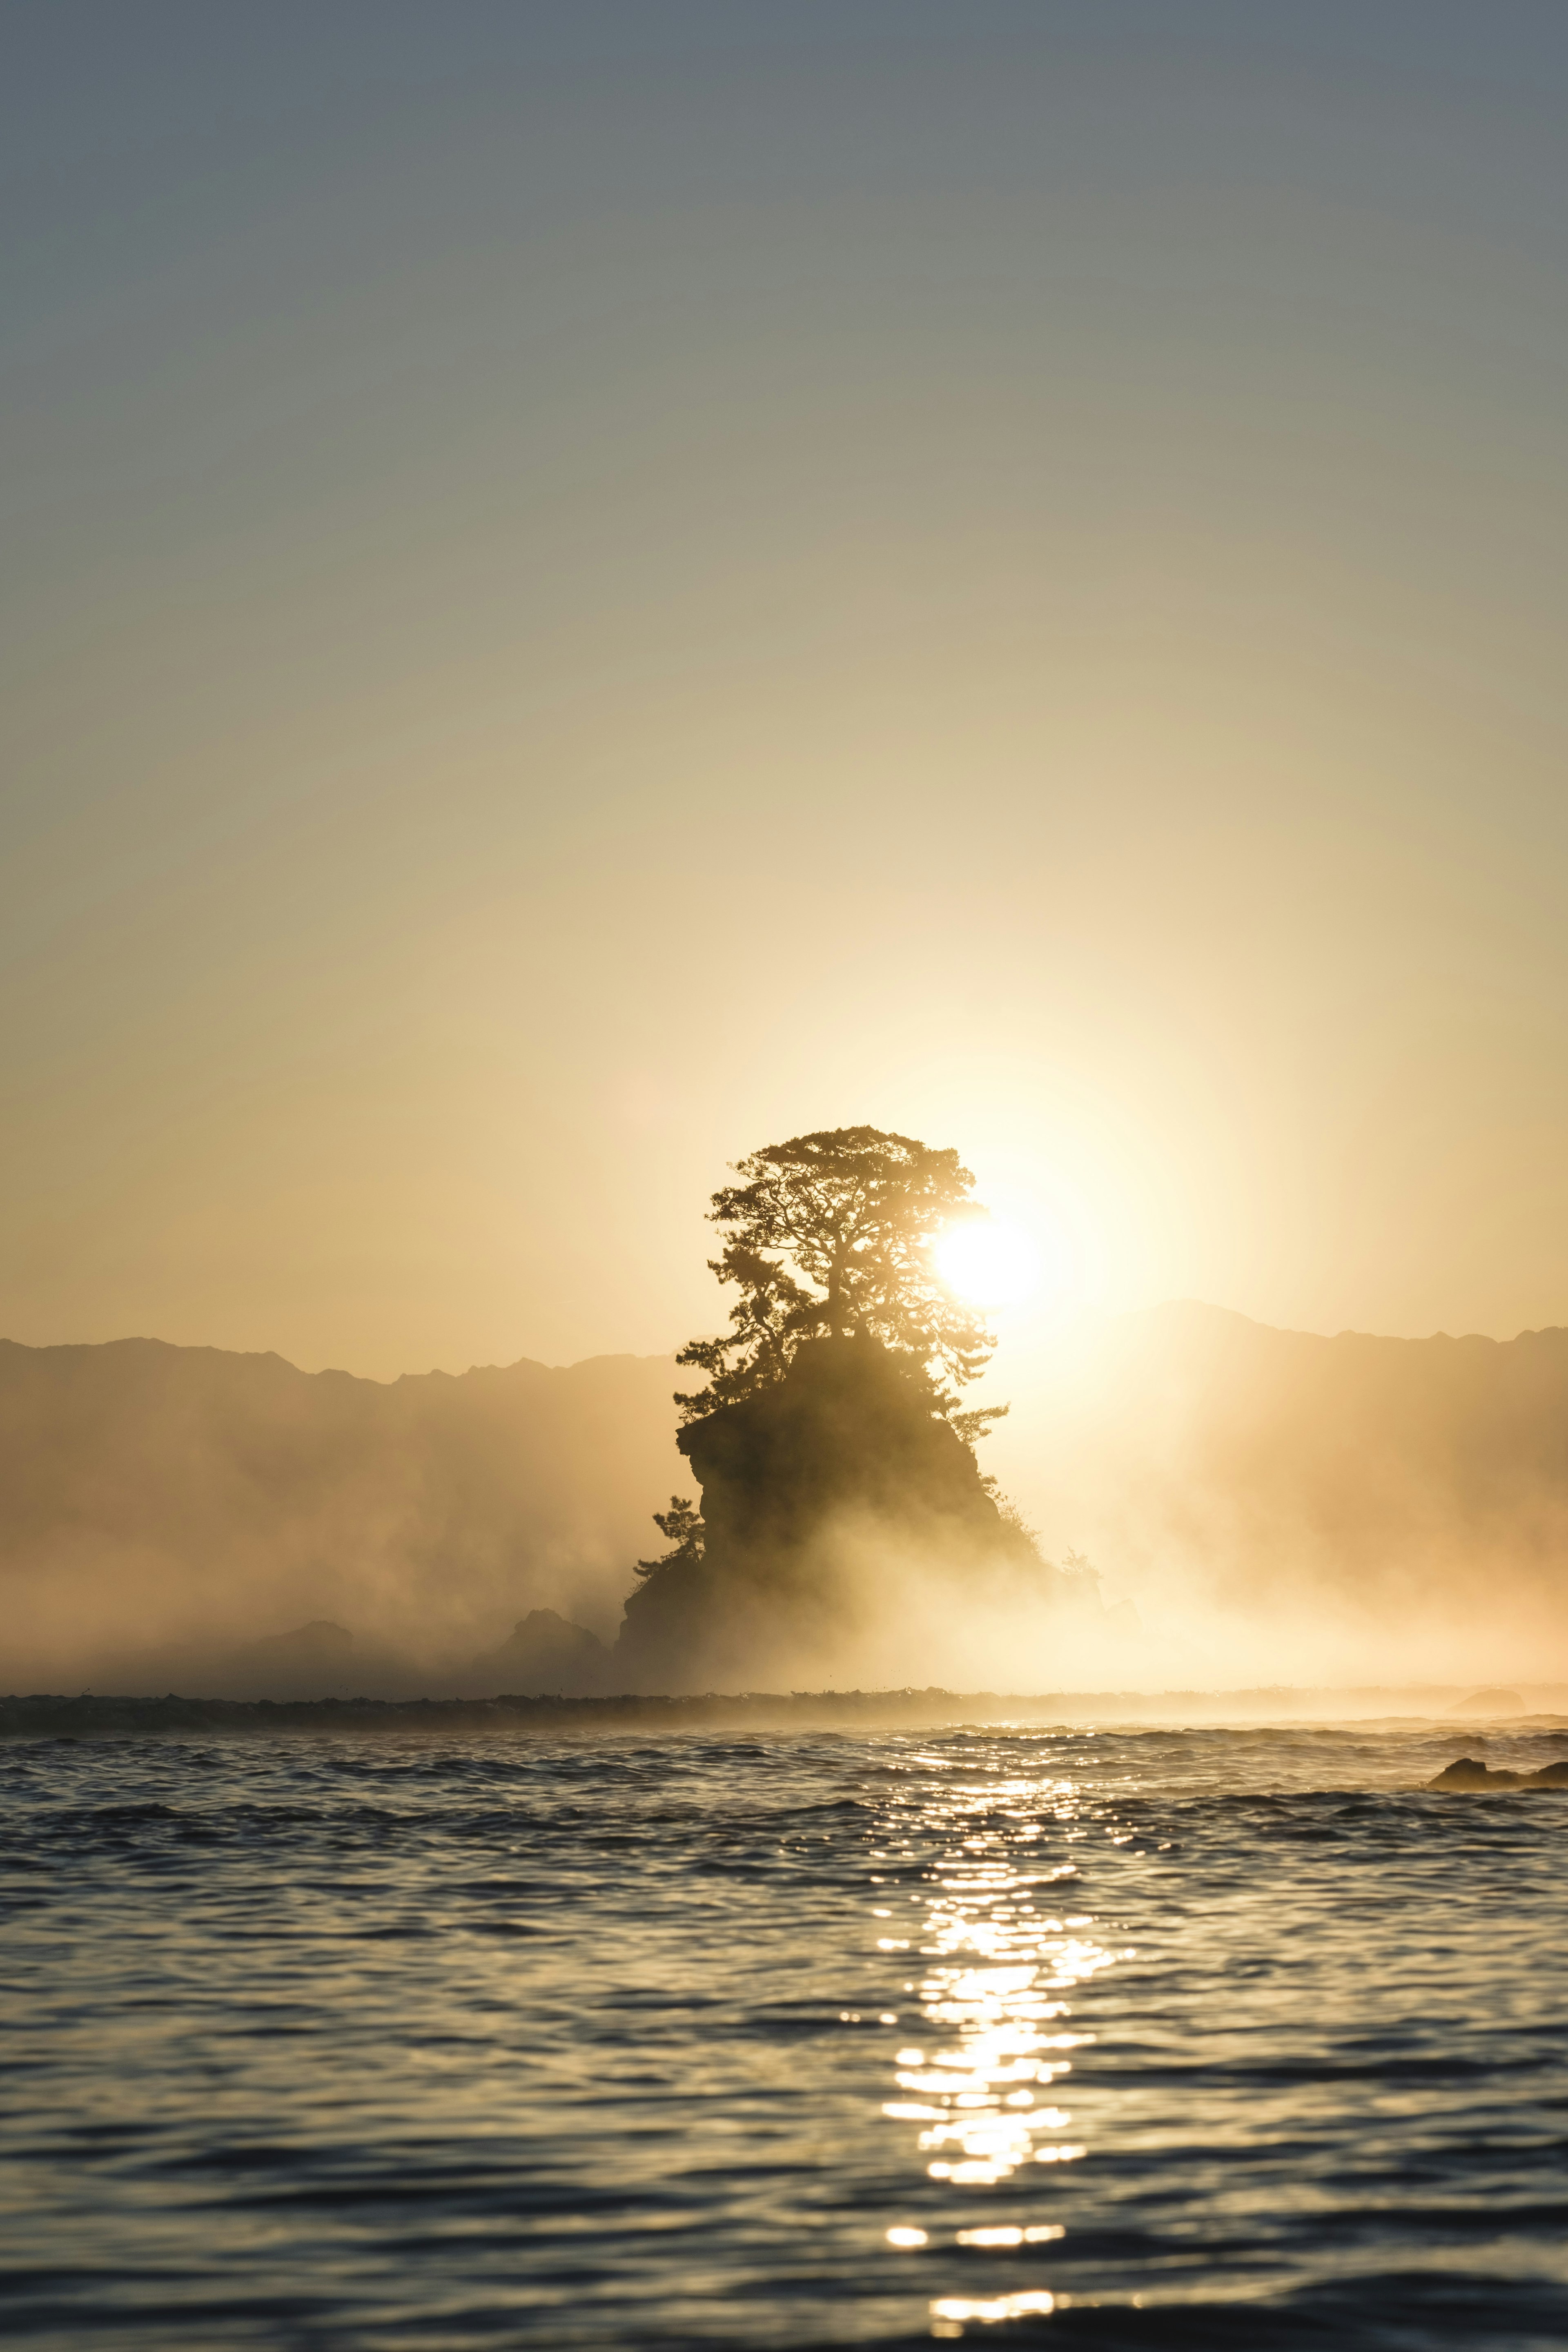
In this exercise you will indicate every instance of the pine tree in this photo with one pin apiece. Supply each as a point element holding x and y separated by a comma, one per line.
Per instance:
<point>832,1234</point>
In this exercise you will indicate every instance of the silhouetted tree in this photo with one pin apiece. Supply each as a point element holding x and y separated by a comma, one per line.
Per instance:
<point>681,1527</point>
<point>832,1234</point>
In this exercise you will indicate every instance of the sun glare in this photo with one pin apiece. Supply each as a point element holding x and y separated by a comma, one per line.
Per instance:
<point>994,1264</point>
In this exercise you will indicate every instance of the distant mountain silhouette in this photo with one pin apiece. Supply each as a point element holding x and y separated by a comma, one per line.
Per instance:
<point>1490,1703</point>
<point>166,1511</point>
<point>1392,1475</point>
<point>160,1507</point>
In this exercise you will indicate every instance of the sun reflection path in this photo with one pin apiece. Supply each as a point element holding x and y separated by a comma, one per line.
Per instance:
<point>1001,1965</point>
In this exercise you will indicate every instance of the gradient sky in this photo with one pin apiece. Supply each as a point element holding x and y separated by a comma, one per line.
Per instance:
<point>586,587</point>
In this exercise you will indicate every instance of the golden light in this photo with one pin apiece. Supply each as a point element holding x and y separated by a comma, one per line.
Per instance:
<point>989,1261</point>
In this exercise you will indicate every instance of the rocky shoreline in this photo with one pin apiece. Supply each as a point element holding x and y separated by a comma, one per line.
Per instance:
<point>43,1715</point>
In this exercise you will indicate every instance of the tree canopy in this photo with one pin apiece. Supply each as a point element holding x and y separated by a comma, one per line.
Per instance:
<point>681,1527</point>
<point>831,1234</point>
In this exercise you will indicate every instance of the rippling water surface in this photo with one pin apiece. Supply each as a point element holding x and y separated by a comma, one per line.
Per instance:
<point>1208,2038</point>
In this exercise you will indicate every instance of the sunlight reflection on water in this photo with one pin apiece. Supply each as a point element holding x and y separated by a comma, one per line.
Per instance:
<point>1001,1965</point>
<point>785,2041</point>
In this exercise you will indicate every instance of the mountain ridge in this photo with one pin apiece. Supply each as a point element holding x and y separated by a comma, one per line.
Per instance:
<point>152,1492</point>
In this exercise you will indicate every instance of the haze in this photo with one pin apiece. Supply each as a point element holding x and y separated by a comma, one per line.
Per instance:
<point>588,586</point>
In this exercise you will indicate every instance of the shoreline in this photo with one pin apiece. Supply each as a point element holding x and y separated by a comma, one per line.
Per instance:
<point>45,1714</point>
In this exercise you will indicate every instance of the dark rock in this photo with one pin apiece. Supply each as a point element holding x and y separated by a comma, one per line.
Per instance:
<point>822,1497</point>
<point>1465,1772</point>
<point>546,1652</point>
<point>310,1661</point>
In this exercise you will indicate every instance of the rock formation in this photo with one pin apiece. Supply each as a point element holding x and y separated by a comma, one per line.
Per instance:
<point>545,1652</point>
<point>1467,1773</point>
<point>833,1503</point>
<point>315,1661</point>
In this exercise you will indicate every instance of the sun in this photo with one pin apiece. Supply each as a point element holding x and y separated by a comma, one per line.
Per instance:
<point>988,1262</point>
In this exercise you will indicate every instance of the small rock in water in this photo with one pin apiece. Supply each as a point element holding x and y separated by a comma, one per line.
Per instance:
<point>1465,1772</point>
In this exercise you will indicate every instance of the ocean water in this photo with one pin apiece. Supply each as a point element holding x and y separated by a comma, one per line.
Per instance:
<point>1209,2038</point>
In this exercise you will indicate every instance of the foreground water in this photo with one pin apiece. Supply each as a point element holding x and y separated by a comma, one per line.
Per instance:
<point>1188,2037</point>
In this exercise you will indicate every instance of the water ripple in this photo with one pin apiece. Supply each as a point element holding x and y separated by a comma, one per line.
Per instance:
<point>1155,2037</point>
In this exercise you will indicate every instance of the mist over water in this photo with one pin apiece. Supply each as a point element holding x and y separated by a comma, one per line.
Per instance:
<point>1281,1506</point>
<point>1112,2037</point>
<point>163,1510</point>
<point>1261,1507</point>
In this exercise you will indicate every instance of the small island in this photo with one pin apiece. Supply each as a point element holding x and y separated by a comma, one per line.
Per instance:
<point>844,1515</point>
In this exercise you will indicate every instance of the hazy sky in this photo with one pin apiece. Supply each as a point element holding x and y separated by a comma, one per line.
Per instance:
<point>586,587</point>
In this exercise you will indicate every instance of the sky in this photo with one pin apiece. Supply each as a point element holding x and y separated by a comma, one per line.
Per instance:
<point>588,587</point>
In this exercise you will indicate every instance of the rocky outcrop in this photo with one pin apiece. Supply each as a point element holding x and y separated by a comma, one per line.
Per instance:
<point>829,1501</point>
<point>545,1652</point>
<point>1465,1772</point>
<point>314,1660</point>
